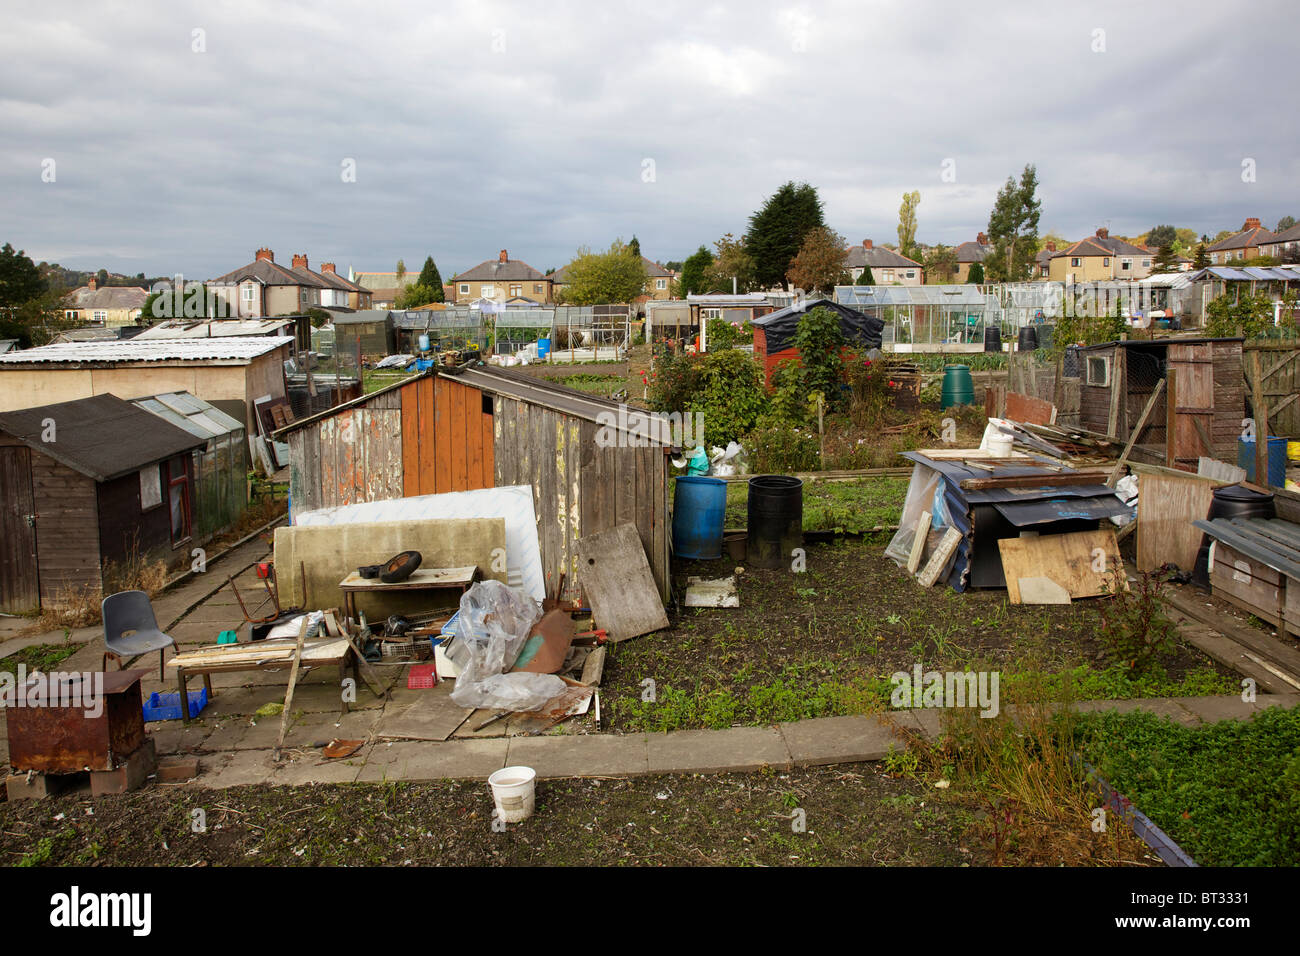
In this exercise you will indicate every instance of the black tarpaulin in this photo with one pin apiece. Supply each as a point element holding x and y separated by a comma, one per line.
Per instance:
<point>779,327</point>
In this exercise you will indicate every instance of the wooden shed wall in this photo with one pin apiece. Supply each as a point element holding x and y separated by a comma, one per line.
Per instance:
<point>67,526</point>
<point>447,442</point>
<point>349,457</point>
<point>127,533</point>
<point>579,487</point>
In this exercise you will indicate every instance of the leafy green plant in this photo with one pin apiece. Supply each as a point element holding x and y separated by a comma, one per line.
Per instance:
<point>820,342</point>
<point>1134,628</point>
<point>1234,314</point>
<point>778,446</point>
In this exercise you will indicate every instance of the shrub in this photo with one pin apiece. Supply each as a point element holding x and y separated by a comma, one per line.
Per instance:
<point>726,387</point>
<point>1134,629</point>
<point>779,446</point>
<point>870,390</point>
<point>820,341</point>
<point>724,335</point>
<point>1250,316</point>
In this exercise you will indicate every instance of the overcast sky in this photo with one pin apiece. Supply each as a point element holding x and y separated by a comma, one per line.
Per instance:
<point>541,127</point>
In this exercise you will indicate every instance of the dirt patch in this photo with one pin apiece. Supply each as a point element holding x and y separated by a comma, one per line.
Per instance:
<point>824,642</point>
<point>854,815</point>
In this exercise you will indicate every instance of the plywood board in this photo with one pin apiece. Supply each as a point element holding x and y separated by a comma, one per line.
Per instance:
<point>431,716</point>
<point>939,559</point>
<point>1067,559</point>
<point>1026,408</point>
<point>615,577</point>
<point>1167,506</point>
<point>918,542</point>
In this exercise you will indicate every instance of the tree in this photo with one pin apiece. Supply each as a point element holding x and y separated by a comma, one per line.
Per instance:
<point>400,271</point>
<point>777,231</point>
<point>20,280</point>
<point>601,277</point>
<point>907,224</point>
<point>820,341</point>
<point>1248,315</point>
<point>1161,236</point>
<point>431,280</point>
<point>866,278</point>
<point>1166,260</point>
<point>692,279</point>
<point>732,261</point>
<point>1202,258</point>
<point>941,263</point>
<point>634,248</point>
<point>1285,223</point>
<point>976,273</point>
<point>417,294</point>
<point>820,261</point>
<point>1013,228</point>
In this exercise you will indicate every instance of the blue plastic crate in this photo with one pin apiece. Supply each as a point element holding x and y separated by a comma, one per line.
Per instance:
<point>168,706</point>
<point>449,629</point>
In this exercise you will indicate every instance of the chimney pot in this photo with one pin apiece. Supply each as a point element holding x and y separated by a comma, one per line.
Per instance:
<point>327,267</point>
<point>1103,233</point>
<point>299,261</point>
<point>94,283</point>
<point>866,243</point>
<point>504,257</point>
<point>1051,246</point>
<point>266,254</point>
<point>982,239</point>
<point>1251,223</point>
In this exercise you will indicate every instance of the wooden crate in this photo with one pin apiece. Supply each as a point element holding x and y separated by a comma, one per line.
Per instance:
<point>1256,588</point>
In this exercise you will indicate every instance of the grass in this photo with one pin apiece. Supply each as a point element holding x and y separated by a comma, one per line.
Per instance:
<point>844,507</point>
<point>39,657</point>
<point>372,380</point>
<point>603,385</point>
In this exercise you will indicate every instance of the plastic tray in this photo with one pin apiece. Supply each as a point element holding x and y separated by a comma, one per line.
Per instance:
<point>168,706</point>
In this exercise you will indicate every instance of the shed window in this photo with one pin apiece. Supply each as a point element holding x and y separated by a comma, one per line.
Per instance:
<point>1099,370</point>
<point>178,497</point>
<point>150,488</point>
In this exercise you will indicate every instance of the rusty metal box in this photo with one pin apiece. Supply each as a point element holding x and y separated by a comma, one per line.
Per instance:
<point>65,739</point>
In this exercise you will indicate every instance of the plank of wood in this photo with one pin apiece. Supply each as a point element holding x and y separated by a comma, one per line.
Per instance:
<point>939,560</point>
<point>293,684</point>
<point>593,668</point>
<point>1167,506</point>
<point>1027,408</point>
<point>1261,420</point>
<point>368,673</point>
<point>918,542</point>
<point>615,576</point>
<point>1084,476</point>
<point>1137,433</point>
<point>1067,559</point>
<point>1271,648</point>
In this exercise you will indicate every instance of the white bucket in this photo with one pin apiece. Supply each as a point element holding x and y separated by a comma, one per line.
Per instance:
<point>514,790</point>
<point>1000,445</point>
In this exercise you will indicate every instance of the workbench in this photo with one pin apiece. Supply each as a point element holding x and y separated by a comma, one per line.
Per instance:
<point>424,579</point>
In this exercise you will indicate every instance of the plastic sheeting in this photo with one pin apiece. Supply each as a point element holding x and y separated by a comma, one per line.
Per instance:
<point>514,503</point>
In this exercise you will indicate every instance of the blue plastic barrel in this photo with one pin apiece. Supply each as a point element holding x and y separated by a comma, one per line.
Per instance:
<point>699,509</point>
<point>543,348</point>
<point>1276,459</point>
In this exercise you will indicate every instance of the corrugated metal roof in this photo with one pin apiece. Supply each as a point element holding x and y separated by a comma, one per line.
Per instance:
<point>883,295</point>
<point>190,413</point>
<point>1273,542</point>
<point>102,437</point>
<point>225,348</point>
<point>179,329</point>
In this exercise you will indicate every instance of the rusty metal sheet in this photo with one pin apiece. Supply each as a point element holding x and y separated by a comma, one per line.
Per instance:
<point>67,740</point>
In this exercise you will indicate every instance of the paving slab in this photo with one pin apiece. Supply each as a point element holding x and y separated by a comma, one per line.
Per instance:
<point>1213,709</point>
<point>241,768</point>
<point>173,736</point>
<point>421,715</point>
<point>580,755</point>
<point>297,770</point>
<point>717,751</point>
<point>832,740</point>
<point>1278,700</point>
<point>420,761</point>
<point>1161,707</point>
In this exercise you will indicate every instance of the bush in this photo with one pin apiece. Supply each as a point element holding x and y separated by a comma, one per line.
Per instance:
<point>724,335</point>
<point>780,446</point>
<point>1134,629</point>
<point>870,390</point>
<point>1251,316</point>
<point>820,341</point>
<point>725,387</point>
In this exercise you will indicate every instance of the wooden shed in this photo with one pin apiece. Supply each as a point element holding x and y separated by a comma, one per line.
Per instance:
<point>1208,396</point>
<point>85,486</point>
<point>485,427</point>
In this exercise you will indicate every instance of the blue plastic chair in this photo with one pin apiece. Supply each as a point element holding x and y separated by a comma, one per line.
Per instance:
<point>130,629</point>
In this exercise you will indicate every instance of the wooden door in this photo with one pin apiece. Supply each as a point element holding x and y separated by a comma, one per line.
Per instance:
<point>19,582</point>
<point>1193,406</point>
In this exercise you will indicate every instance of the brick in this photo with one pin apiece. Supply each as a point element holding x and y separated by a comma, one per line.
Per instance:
<point>177,769</point>
<point>131,775</point>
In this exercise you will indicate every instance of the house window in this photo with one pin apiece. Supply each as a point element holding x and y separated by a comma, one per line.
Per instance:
<point>464,288</point>
<point>1099,370</point>
<point>1106,261</point>
<point>661,284</point>
<point>1075,262</point>
<point>516,288</point>
<point>70,314</point>
<point>887,275</point>
<point>1125,265</point>
<point>539,288</point>
<point>487,290</point>
<point>911,273</point>
<point>150,488</point>
<point>710,313</point>
<point>303,294</point>
<point>1146,263</point>
<point>247,293</point>
<point>178,499</point>
<point>99,317</point>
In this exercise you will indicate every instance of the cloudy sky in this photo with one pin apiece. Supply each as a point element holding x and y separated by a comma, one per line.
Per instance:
<point>181,137</point>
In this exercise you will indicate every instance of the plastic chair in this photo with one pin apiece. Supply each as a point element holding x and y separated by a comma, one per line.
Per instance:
<point>130,629</point>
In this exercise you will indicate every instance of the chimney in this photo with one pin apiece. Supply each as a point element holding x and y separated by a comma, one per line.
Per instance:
<point>982,239</point>
<point>266,254</point>
<point>1103,233</point>
<point>504,257</point>
<point>328,267</point>
<point>1051,246</point>
<point>866,243</point>
<point>299,261</point>
<point>1251,223</point>
<point>93,284</point>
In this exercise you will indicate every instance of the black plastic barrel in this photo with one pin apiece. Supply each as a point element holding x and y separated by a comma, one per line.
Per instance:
<point>1230,501</point>
<point>1028,339</point>
<point>775,520</point>
<point>992,338</point>
<point>1045,335</point>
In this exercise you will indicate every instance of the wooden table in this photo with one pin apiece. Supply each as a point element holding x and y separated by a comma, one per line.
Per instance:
<point>260,655</point>
<point>425,579</point>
